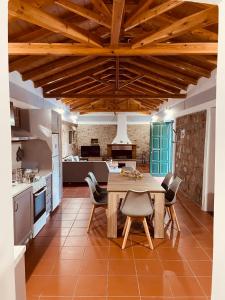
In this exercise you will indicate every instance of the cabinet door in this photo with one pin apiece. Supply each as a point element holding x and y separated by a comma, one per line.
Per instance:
<point>49,194</point>
<point>22,216</point>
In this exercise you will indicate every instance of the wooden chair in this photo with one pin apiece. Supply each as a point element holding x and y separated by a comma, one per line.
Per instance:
<point>97,199</point>
<point>166,181</point>
<point>136,206</point>
<point>99,189</point>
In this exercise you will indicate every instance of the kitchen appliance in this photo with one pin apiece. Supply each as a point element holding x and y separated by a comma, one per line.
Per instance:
<point>56,174</point>
<point>39,205</point>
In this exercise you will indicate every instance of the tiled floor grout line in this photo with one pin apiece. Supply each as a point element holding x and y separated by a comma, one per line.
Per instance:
<point>135,266</point>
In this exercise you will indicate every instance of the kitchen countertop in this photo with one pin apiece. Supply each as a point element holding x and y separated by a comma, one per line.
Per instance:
<point>21,187</point>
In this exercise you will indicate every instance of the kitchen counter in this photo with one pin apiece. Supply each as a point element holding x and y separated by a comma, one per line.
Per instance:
<point>45,172</point>
<point>19,188</point>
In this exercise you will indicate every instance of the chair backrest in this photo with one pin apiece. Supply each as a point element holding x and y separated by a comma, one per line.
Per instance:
<point>92,189</point>
<point>173,189</point>
<point>136,201</point>
<point>93,178</point>
<point>166,181</point>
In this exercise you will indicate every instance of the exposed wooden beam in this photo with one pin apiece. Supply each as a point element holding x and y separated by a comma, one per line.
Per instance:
<point>203,18</point>
<point>142,6</point>
<point>68,73</point>
<point>102,8</point>
<point>117,17</point>
<point>84,12</point>
<point>77,77</point>
<point>56,66</point>
<point>158,81</point>
<point>27,12</point>
<point>64,49</point>
<point>149,14</point>
<point>97,78</point>
<point>165,72</point>
<point>130,81</point>
<point>117,73</point>
<point>128,96</point>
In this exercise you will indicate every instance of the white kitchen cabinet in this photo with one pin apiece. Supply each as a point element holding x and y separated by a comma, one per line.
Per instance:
<point>23,216</point>
<point>56,122</point>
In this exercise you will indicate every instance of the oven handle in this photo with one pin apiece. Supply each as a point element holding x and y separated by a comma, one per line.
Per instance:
<point>39,193</point>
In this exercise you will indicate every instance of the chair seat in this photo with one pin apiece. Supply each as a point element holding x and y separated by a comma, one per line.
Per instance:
<point>136,211</point>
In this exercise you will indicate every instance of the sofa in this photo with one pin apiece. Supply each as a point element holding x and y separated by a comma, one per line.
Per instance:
<point>76,171</point>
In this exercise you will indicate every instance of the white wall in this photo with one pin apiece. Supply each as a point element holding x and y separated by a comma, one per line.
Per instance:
<point>7,281</point>
<point>218,286</point>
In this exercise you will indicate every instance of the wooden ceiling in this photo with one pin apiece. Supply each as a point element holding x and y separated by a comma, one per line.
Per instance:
<point>112,55</point>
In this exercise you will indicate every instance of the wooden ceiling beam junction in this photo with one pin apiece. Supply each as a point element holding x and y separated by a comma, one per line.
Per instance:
<point>117,17</point>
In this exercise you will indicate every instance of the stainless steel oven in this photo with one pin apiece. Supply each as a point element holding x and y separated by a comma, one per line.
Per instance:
<point>39,204</point>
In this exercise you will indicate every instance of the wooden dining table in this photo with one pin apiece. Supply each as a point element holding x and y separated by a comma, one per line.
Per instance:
<point>117,188</point>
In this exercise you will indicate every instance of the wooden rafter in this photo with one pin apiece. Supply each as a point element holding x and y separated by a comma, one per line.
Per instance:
<point>142,6</point>
<point>130,81</point>
<point>117,17</point>
<point>102,8</point>
<point>116,96</point>
<point>161,49</point>
<point>84,12</point>
<point>205,18</point>
<point>149,14</point>
<point>25,11</point>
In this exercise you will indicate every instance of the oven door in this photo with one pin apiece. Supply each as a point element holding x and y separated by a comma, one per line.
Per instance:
<point>39,203</point>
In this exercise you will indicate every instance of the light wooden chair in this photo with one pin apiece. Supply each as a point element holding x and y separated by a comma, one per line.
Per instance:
<point>97,199</point>
<point>170,200</point>
<point>136,206</point>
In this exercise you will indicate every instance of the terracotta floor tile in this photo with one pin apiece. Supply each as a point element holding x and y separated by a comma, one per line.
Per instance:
<point>43,267</point>
<point>78,241</point>
<point>179,268</point>
<point>206,284</point>
<point>61,223</point>
<point>123,286</point>
<point>77,232</point>
<point>56,298</point>
<point>122,267</point>
<point>118,253</point>
<point>59,286</point>
<point>91,286</point>
<point>96,252</point>
<point>183,286</point>
<point>170,254</point>
<point>35,285</point>
<point>65,217</point>
<point>65,267</point>
<point>72,253</point>
<point>141,252</point>
<point>154,286</point>
<point>201,268</point>
<point>149,267</point>
<point>94,267</point>
<point>194,254</point>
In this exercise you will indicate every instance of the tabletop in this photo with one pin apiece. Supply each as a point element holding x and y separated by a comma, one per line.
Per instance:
<point>119,183</point>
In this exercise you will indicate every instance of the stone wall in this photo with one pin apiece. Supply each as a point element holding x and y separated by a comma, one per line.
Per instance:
<point>138,134</point>
<point>189,156</point>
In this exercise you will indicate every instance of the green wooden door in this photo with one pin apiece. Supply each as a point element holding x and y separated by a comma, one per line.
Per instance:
<point>161,148</point>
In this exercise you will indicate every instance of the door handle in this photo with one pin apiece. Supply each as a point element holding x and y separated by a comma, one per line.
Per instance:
<point>16,207</point>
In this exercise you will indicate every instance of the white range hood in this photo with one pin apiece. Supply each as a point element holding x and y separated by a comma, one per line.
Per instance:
<point>121,134</point>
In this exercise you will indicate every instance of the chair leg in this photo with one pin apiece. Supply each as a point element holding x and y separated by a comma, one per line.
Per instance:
<point>125,226</point>
<point>168,212</point>
<point>129,221</point>
<point>91,217</point>
<point>147,233</point>
<point>174,216</point>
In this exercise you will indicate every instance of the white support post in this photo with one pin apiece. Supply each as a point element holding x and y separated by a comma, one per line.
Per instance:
<point>7,277</point>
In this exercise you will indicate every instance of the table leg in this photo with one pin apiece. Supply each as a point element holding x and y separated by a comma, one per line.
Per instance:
<point>159,215</point>
<point>112,215</point>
